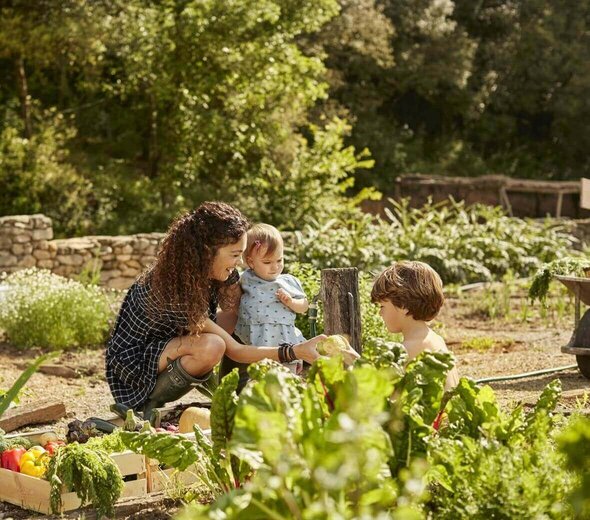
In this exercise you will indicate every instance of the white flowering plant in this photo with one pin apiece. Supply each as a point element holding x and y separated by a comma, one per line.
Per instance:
<point>39,308</point>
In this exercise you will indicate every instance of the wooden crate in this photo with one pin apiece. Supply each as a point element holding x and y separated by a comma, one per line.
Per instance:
<point>33,493</point>
<point>160,477</point>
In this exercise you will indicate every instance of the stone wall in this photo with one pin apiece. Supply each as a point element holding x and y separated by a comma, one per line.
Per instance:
<point>26,241</point>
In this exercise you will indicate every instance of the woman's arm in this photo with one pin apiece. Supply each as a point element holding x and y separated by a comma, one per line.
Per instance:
<point>251,354</point>
<point>230,304</point>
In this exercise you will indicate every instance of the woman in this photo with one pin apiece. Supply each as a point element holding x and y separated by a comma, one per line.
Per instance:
<point>166,339</point>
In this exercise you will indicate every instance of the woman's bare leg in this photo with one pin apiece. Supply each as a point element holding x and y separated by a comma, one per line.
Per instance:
<point>199,354</point>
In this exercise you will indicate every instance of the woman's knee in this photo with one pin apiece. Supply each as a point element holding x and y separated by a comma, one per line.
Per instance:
<point>210,348</point>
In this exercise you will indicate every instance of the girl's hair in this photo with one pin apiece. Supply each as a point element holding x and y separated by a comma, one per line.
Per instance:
<point>179,279</point>
<point>263,238</point>
<point>410,285</point>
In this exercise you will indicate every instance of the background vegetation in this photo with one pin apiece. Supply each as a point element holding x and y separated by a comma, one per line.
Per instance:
<point>115,115</point>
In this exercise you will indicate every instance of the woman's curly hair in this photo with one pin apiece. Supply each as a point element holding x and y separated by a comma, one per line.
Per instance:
<point>179,280</point>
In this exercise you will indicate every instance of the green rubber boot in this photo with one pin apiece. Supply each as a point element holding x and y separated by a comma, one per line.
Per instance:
<point>172,384</point>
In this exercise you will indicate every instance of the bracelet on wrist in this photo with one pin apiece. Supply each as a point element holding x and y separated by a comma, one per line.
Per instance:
<point>286,352</point>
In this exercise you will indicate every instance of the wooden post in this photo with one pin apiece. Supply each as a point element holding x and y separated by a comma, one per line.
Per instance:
<point>342,309</point>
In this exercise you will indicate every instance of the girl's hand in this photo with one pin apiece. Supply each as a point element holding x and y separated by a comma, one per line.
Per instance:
<point>284,297</point>
<point>306,350</point>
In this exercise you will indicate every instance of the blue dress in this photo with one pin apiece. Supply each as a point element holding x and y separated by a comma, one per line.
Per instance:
<point>262,319</point>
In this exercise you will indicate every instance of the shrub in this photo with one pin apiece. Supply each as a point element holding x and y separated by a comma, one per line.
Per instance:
<point>46,310</point>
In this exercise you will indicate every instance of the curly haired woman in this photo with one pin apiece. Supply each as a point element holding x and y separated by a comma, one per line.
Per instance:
<point>166,339</point>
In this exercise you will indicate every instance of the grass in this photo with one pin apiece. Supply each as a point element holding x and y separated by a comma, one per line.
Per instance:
<point>507,301</point>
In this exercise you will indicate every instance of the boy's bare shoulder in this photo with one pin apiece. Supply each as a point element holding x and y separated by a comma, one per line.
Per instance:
<point>432,342</point>
<point>435,342</point>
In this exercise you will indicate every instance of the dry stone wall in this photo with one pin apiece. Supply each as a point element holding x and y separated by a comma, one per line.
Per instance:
<point>26,241</point>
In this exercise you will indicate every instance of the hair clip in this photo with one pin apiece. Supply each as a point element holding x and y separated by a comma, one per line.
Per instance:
<point>257,244</point>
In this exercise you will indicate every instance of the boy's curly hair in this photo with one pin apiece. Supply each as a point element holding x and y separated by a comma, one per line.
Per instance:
<point>410,285</point>
<point>179,279</point>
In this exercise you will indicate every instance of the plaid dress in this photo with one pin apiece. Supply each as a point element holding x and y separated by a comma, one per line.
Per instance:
<point>138,340</point>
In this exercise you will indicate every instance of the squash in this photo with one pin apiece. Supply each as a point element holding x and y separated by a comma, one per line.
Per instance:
<point>194,416</point>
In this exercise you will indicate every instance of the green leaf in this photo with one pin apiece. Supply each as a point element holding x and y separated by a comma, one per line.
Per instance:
<point>223,410</point>
<point>13,391</point>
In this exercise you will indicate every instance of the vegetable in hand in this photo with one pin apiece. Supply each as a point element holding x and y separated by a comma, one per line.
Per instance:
<point>337,345</point>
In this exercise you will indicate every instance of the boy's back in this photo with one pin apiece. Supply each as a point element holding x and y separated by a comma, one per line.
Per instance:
<point>410,294</point>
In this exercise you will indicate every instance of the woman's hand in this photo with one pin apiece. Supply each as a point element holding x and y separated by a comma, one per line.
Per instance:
<point>307,350</point>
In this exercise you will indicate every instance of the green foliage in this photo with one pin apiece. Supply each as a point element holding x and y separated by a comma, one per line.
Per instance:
<point>461,87</point>
<point>35,172</point>
<point>111,443</point>
<point>46,310</point>
<point>216,467</point>
<point>491,464</point>
<point>8,396</point>
<point>479,343</point>
<point>173,450</point>
<point>463,244</point>
<point>419,395</point>
<point>358,442</point>
<point>92,474</point>
<point>309,461</point>
<point>568,266</point>
<point>574,442</point>
<point>141,110</point>
<point>487,479</point>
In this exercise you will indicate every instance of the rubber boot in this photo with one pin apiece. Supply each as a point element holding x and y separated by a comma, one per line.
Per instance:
<point>172,384</point>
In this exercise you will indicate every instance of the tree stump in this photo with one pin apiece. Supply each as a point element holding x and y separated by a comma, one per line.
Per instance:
<point>342,309</point>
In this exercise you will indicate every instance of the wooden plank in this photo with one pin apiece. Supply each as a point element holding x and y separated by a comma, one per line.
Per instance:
<point>24,491</point>
<point>585,195</point>
<point>162,478</point>
<point>129,463</point>
<point>35,436</point>
<point>342,310</point>
<point>578,351</point>
<point>129,507</point>
<point>39,412</point>
<point>64,371</point>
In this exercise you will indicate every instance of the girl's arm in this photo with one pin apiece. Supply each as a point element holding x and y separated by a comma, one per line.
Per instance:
<point>251,354</point>
<point>299,305</point>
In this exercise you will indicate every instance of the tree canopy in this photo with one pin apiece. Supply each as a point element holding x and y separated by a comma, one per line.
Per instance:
<point>116,115</point>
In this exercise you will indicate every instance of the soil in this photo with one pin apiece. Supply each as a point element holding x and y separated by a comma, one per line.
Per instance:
<point>483,348</point>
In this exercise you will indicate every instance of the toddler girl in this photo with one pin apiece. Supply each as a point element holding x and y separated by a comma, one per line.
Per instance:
<point>270,299</point>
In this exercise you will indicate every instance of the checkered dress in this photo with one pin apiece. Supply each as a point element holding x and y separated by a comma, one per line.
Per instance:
<point>138,340</point>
